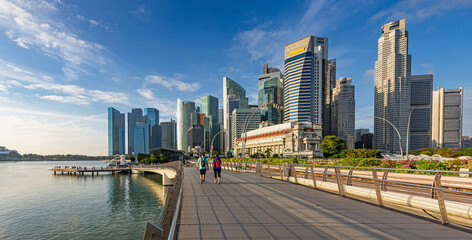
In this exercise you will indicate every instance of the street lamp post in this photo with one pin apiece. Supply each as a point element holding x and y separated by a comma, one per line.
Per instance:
<point>399,137</point>
<point>408,133</point>
<point>213,139</point>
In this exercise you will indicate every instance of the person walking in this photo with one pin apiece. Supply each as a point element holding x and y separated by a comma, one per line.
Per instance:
<point>217,168</point>
<point>202,164</point>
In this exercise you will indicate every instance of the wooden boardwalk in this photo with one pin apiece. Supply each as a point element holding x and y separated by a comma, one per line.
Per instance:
<point>247,206</point>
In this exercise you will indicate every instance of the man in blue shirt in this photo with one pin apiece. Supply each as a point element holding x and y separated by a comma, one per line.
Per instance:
<point>202,165</point>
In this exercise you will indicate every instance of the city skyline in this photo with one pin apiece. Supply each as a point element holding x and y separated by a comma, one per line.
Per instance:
<point>63,65</point>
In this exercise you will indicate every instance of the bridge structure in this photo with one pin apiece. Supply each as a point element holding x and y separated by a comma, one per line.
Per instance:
<point>306,202</point>
<point>168,173</point>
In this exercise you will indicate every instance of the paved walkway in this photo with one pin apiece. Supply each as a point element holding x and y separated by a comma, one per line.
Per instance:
<point>248,206</point>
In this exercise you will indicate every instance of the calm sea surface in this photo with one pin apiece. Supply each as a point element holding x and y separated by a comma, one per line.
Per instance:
<point>36,204</point>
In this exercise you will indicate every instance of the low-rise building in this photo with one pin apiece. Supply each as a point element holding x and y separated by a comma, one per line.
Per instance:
<point>289,139</point>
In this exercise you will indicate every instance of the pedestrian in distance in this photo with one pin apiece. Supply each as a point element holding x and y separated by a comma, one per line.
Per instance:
<point>202,164</point>
<point>217,168</point>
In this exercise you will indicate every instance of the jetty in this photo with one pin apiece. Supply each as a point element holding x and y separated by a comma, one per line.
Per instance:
<point>72,170</point>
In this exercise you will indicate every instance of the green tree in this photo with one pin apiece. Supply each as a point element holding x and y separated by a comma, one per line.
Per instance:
<point>229,154</point>
<point>332,145</point>
<point>268,152</point>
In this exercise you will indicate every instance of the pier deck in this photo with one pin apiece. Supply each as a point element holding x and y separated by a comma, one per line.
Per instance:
<point>247,206</point>
<point>82,171</point>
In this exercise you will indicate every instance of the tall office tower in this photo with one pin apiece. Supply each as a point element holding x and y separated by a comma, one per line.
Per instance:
<point>221,136</point>
<point>209,106</point>
<point>303,81</point>
<point>360,132</point>
<point>332,71</point>
<point>116,132</point>
<point>329,71</point>
<point>234,97</point>
<point>155,135</point>
<point>195,135</point>
<point>141,135</point>
<point>184,111</point>
<point>392,87</point>
<point>343,115</point>
<point>420,122</point>
<point>239,116</point>
<point>169,134</point>
<point>447,118</point>
<point>270,91</point>
<point>132,116</point>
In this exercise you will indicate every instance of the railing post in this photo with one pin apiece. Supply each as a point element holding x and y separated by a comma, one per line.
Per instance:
<point>294,173</point>
<point>268,168</point>
<point>384,178</point>
<point>313,176</point>
<point>260,168</point>
<point>440,197</point>
<point>377,188</point>
<point>325,173</point>
<point>349,178</point>
<point>339,180</point>
<point>281,173</point>
<point>306,172</point>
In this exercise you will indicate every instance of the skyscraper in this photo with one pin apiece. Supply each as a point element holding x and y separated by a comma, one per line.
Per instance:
<point>132,116</point>
<point>184,111</point>
<point>116,132</point>
<point>234,96</point>
<point>392,87</point>
<point>155,134</point>
<point>169,134</point>
<point>239,118</point>
<point>270,91</point>
<point>343,108</point>
<point>303,81</point>
<point>141,135</point>
<point>209,106</point>
<point>420,122</point>
<point>447,118</point>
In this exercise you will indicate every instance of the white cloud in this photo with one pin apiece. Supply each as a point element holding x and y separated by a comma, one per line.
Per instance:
<point>369,75</point>
<point>172,83</point>
<point>80,100</point>
<point>93,22</point>
<point>419,10</point>
<point>141,11</point>
<point>146,93</point>
<point>79,95</point>
<point>37,31</point>
<point>115,79</point>
<point>3,88</point>
<point>80,17</point>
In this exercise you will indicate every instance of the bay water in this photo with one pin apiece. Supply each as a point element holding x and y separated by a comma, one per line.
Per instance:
<point>36,204</point>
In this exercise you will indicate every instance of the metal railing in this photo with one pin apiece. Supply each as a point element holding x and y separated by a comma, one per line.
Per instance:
<point>166,227</point>
<point>419,192</point>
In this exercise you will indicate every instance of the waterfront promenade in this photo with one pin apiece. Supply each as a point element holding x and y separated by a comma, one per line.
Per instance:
<point>248,206</point>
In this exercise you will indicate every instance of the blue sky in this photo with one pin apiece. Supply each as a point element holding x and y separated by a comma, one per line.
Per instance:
<point>62,63</point>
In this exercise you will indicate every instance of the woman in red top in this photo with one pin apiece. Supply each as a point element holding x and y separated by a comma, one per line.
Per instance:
<point>217,168</point>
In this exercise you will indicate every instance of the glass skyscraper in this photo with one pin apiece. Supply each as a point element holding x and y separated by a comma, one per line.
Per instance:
<point>184,111</point>
<point>141,135</point>
<point>116,132</point>
<point>155,133</point>
<point>169,134</point>
<point>209,106</point>
<point>303,81</point>
<point>234,96</point>
<point>270,90</point>
<point>132,117</point>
